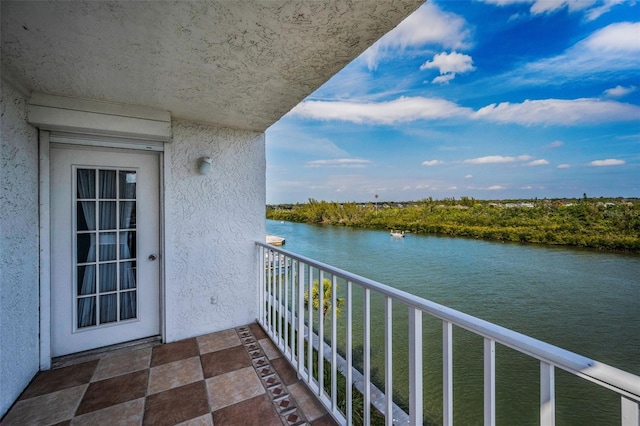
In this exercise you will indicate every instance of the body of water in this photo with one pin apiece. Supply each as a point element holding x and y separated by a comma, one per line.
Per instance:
<point>585,301</point>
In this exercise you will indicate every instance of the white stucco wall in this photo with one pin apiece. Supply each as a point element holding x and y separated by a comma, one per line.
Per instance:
<point>19,293</point>
<point>212,222</point>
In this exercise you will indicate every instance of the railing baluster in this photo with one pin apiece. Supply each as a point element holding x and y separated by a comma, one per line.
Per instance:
<point>287,319</point>
<point>547,395</point>
<point>388,361</point>
<point>415,366</point>
<point>349,354</point>
<point>269,291</point>
<point>447,373</point>
<point>310,327</point>
<point>261,283</point>
<point>367,356</point>
<point>321,333</point>
<point>489,382</point>
<point>294,317</point>
<point>300,334</point>
<point>280,313</point>
<point>334,344</point>
<point>630,411</point>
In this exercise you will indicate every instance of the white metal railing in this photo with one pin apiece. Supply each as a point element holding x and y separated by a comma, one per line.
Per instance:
<point>285,316</point>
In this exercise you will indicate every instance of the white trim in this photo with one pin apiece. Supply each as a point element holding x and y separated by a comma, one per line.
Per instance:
<point>64,114</point>
<point>45,251</point>
<point>105,141</point>
<point>46,139</point>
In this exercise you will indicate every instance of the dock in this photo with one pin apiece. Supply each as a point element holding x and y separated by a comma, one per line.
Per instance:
<point>275,241</point>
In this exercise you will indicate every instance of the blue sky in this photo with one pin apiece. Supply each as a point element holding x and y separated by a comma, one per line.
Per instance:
<point>489,99</point>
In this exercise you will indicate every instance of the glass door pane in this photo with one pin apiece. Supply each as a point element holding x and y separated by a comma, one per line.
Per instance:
<point>106,274</point>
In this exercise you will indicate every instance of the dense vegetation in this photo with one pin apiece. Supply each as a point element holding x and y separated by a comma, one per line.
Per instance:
<point>607,224</point>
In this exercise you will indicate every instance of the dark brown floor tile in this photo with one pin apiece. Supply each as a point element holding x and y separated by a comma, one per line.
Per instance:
<point>257,331</point>
<point>177,405</point>
<point>175,351</point>
<point>60,378</point>
<point>106,393</point>
<point>324,421</point>
<point>220,362</point>
<point>255,411</point>
<point>286,372</point>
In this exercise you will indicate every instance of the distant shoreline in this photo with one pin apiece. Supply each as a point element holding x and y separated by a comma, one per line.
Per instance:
<point>611,224</point>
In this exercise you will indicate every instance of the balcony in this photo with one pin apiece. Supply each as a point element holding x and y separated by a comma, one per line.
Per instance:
<point>290,281</point>
<point>232,377</point>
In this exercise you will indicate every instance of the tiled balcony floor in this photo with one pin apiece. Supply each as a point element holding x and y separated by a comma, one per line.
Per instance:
<point>234,377</point>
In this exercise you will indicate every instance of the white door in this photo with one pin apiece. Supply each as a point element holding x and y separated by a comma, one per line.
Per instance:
<point>105,270</point>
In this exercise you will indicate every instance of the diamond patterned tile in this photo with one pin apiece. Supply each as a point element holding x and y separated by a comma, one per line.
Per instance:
<point>175,351</point>
<point>45,409</point>
<point>60,378</point>
<point>224,361</point>
<point>218,341</point>
<point>177,405</point>
<point>174,374</point>
<point>116,390</point>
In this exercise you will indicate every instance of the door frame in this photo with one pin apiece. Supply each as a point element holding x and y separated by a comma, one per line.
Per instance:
<point>44,160</point>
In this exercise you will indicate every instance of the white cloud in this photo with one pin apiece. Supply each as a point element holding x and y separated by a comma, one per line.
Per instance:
<point>614,48</point>
<point>607,162</point>
<point>619,91</point>
<point>352,163</point>
<point>540,162</point>
<point>496,187</point>
<point>468,176</point>
<point>427,25</point>
<point>563,166</point>
<point>497,159</point>
<point>397,111</point>
<point>596,12</point>
<point>593,9</point>
<point>559,112</point>
<point>449,65</point>
<point>429,163</point>
<point>556,144</point>
<point>443,79</point>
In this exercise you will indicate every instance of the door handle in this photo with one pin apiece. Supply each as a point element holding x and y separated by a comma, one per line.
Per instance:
<point>152,257</point>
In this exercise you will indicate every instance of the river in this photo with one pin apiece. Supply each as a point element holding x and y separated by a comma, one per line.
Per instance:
<point>582,300</point>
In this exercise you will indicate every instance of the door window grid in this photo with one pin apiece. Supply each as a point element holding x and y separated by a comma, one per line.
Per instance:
<point>106,289</point>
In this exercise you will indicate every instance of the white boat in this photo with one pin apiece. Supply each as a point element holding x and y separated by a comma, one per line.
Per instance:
<point>397,234</point>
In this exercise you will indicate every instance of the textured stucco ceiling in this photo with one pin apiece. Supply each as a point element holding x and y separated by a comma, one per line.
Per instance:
<point>233,63</point>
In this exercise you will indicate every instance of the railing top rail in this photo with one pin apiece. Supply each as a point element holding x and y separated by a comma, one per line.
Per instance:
<point>619,380</point>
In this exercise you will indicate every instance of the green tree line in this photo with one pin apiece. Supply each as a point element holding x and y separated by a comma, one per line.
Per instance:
<point>606,224</point>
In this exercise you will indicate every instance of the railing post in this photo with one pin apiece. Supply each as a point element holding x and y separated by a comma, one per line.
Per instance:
<point>310,327</point>
<point>279,304</point>
<point>261,271</point>
<point>300,333</point>
<point>630,411</point>
<point>285,326</point>
<point>388,360</point>
<point>489,382</point>
<point>447,373</point>
<point>270,291</point>
<point>321,333</point>
<point>367,356</point>
<point>334,344</point>
<point>547,395</point>
<point>349,354</point>
<point>415,366</point>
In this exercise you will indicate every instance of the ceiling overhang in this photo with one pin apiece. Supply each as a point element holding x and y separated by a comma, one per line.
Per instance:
<point>240,64</point>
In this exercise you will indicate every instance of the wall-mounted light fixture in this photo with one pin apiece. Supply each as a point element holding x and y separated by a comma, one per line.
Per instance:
<point>204,165</point>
